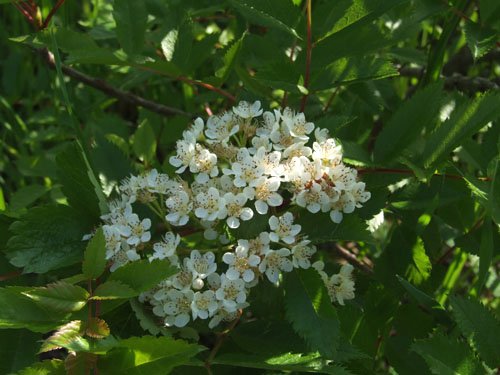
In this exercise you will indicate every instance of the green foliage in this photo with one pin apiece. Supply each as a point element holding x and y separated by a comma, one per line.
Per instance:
<point>47,238</point>
<point>408,87</point>
<point>480,326</point>
<point>309,309</point>
<point>94,258</point>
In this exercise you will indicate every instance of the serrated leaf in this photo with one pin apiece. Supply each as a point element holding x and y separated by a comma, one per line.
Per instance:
<point>229,59</point>
<point>289,362</point>
<point>59,296</point>
<point>131,22</point>
<point>147,355</point>
<point>480,39</point>
<point>447,356</point>
<point>465,120</point>
<point>309,309</point>
<point>25,196</point>
<point>69,336</point>
<point>404,127</point>
<point>18,349</point>
<point>147,320</point>
<point>51,367</point>
<point>480,326</point>
<point>421,268</point>
<point>80,363</point>
<point>486,249</point>
<point>145,142</point>
<point>168,44</point>
<point>19,311</point>
<point>113,290</point>
<point>143,275</point>
<point>94,258</point>
<point>47,238</point>
<point>279,14</point>
<point>79,184</point>
<point>96,328</point>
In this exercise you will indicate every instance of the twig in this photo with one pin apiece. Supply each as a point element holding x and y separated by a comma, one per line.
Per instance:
<point>104,87</point>
<point>456,81</point>
<point>220,340</point>
<point>51,14</point>
<point>207,86</point>
<point>351,258</point>
<point>330,99</point>
<point>10,275</point>
<point>308,55</point>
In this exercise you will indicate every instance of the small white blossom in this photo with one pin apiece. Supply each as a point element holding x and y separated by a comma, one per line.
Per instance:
<point>302,253</point>
<point>185,153</point>
<point>312,198</point>
<point>136,230</point>
<point>221,128</point>
<point>201,265</point>
<point>179,206</point>
<point>283,228</point>
<point>274,262</point>
<point>341,286</point>
<point>231,293</point>
<point>178,307</point>
<point>204,164</point>
<point>265,193</point>
<point>204,304</point>
<point>236,210</point>
<point>167,247</point>
<point>210,205</point>
<point>241,264</point>
<point>247,110</point>
<point>123,257</point>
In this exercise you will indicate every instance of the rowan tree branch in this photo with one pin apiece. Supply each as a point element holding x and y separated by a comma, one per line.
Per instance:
<point>351,258</point>
<point>109,90</point>
<point>456,81</point>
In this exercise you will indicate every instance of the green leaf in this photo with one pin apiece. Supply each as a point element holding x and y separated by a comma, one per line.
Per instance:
<point>421,268</point>
<point>47,238</point>
<point>131,23</point>
<point>446,356</point>
<point>407,123</point>
<point>145,142</point>
<point>18,348</point>
<point>289,362</point>
<point>52,367</point>
<point>68,336</point>
<point>309,309</point>
<point>465,120</point>
<point>480,326</point>
<point>147,320</point>
<point>143,275</point>
<point>25,196</point>
<point>79,183</point>
<point>96,328</point>
<point>486,249</point>
<point>489,10</point>
<point>59,296</point>
<point>279,14</point>
<point>168,44</point>
<point>229,60</point>
<point>19,311</point>
<point>113,290</point>
<point>480,39</point>
<point>94,258</point>
<point>147,355</point>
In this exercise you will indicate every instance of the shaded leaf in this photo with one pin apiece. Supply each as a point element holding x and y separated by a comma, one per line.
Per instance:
<point>52,367</point>
<point>94,258</point>
<point>480,39</point>
<point>131,22</point>
<point>113,290</point>
<point>69,336</point>
<point>309,309</point>
<point>144,143</point>
<point>480,326</point>
<point>230,58</point>
<point>47,238</point>
<point>96,328</point>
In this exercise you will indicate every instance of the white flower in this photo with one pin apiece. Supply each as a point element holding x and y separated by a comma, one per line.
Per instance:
<point>210,205</point>
<point>245,170</point>
<point>204,304</point>
<point>247,110</point>
<point>241,264</point>
<point>225,315</point>
<point>185,153</point>
<point>231,293</point>
<point>312,197</point>
<point>359,194</point>
<point>201,265</point>
<point>297,149</point>
<point>179,206</point>
<point>302,253</point>
<point>328,152</point>
<point>265,193</point>
<point>341,286</point>
<point>269,161</point>
<point>257,246</point>
<point>167,247</point>
<point>124,256</point>
<point>136,230</point>
<point>205,164</point>
<point>113,240</point>
<point>221,128</point>
<point>235,209</point>
<point>274,262</point>
<point>178,307</point>
<point>183,279</point>
<point>297,124</point>
<point>283,228</point>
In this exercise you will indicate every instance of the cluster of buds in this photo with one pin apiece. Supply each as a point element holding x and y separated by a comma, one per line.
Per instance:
<point>230,169</point>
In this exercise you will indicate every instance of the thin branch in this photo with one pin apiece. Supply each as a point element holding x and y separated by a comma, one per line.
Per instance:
<point>351,258</point>
<point>456,81</point>
<point>308,55</point>
<point>10,275</point>
<point>51,14</point>
<point>207,86</point>
<point>104,87</point>
<point>330,99</point>
<point>410,172</point>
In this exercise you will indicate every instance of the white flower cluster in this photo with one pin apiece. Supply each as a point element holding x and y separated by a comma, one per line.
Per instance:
<point>238,165</point>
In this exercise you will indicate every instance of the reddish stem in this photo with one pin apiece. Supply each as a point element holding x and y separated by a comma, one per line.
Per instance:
<point>51,14</point>
<point>10,275</point>
<point>24,12</point>
<point>207,86</point>
<point>308,55</point>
